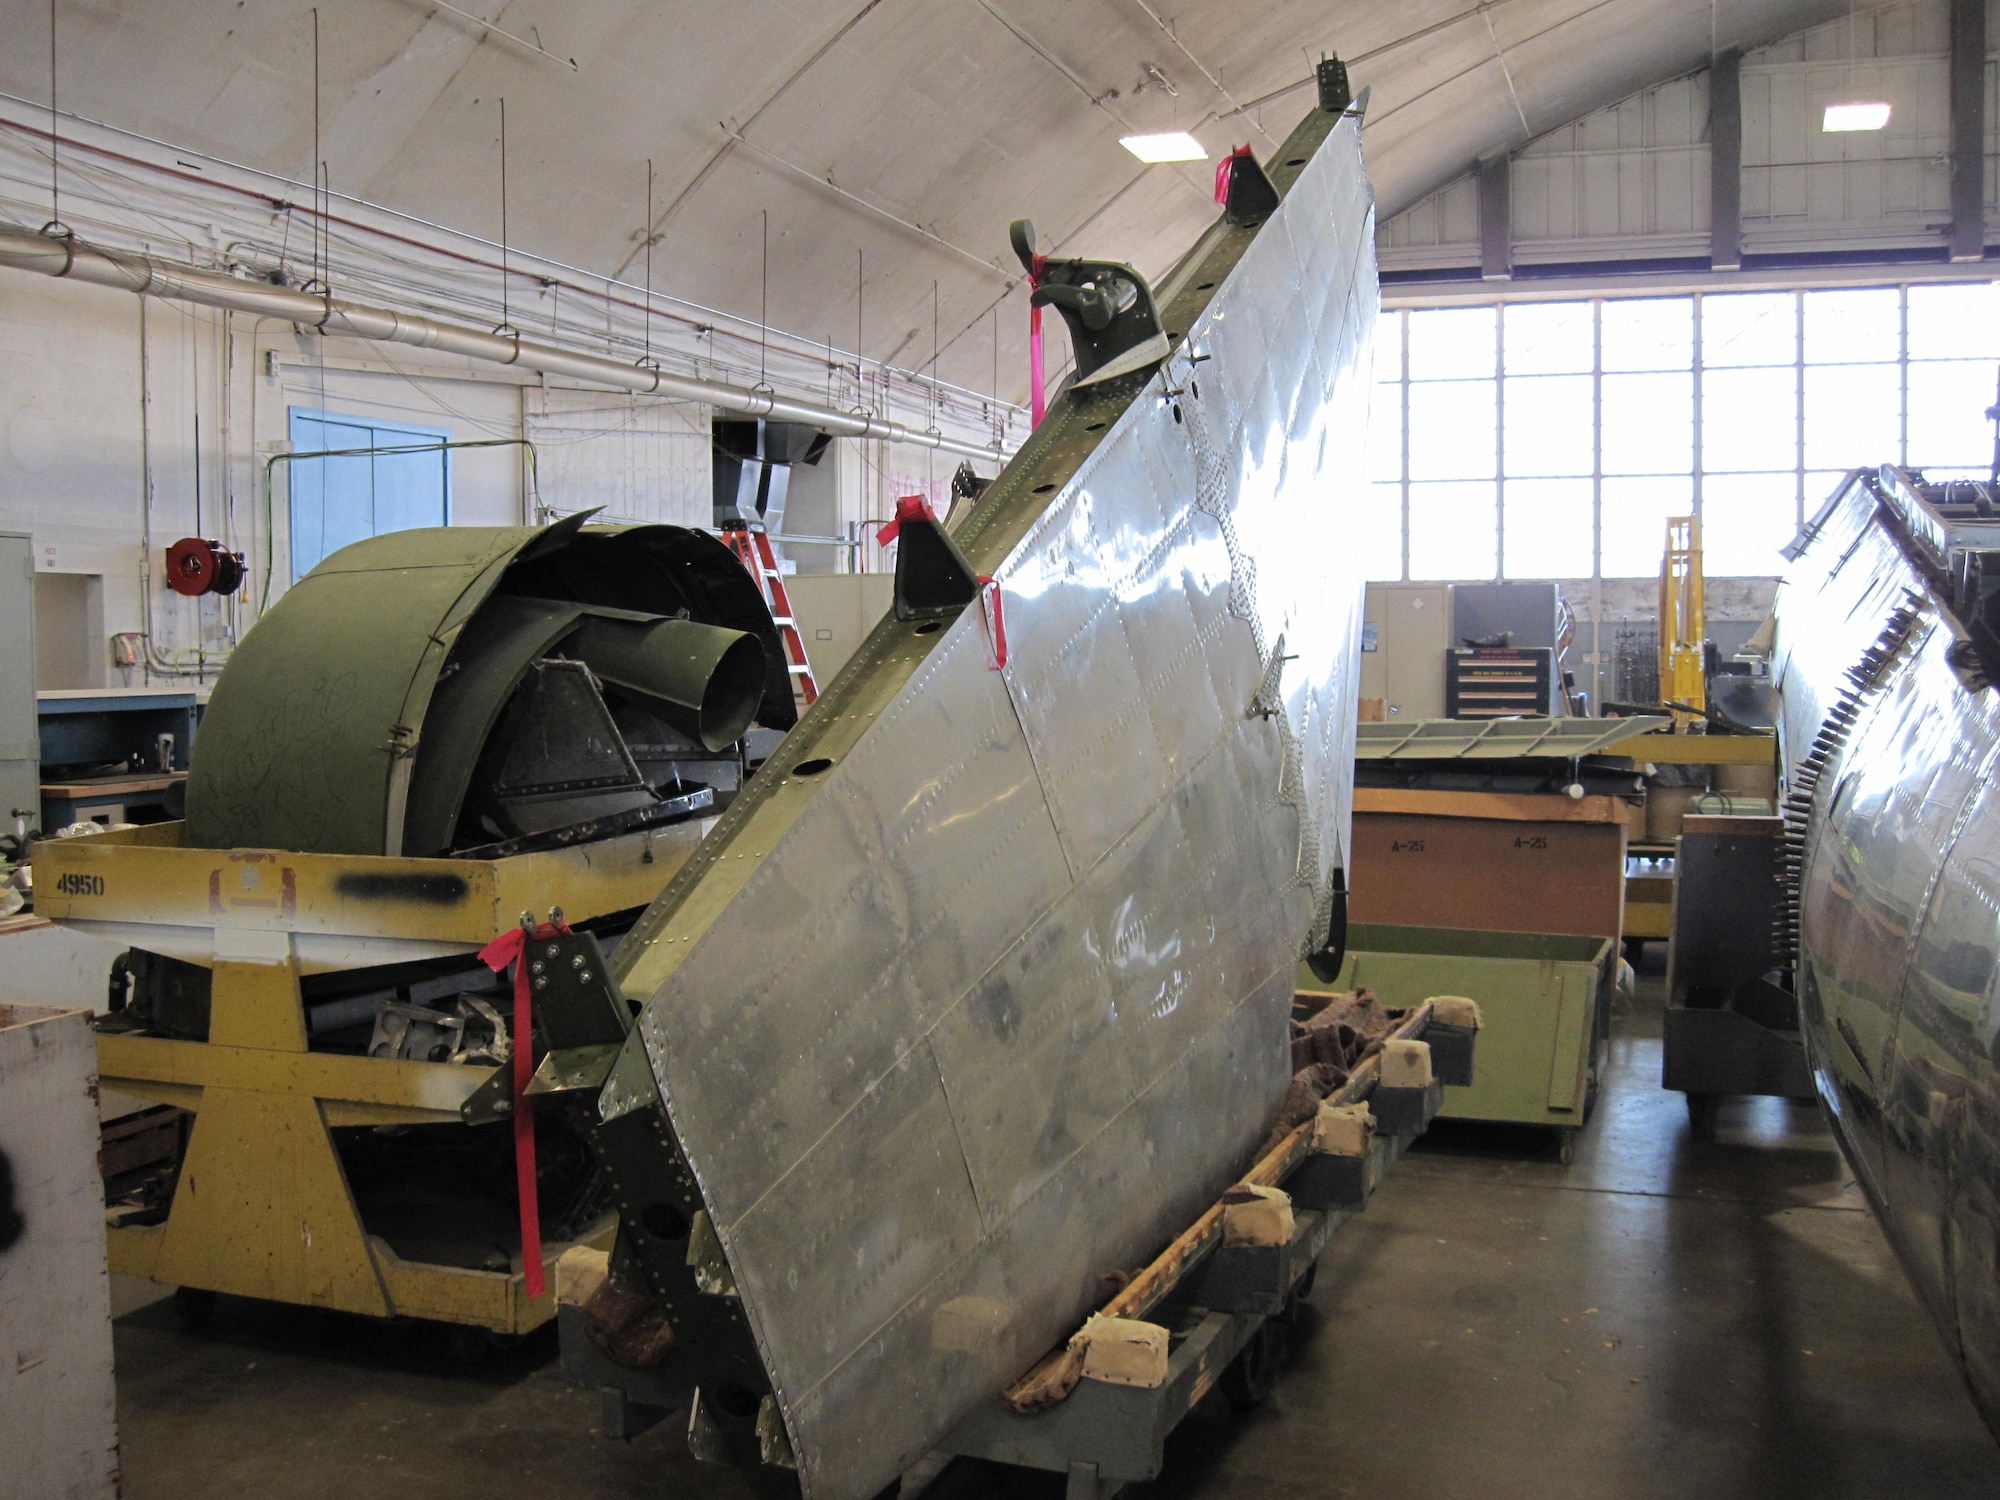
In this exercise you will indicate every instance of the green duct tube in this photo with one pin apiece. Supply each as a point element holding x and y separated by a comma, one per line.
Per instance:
<point>702,679</point>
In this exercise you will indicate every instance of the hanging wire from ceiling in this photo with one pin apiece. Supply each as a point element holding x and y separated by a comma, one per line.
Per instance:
<point>319,225</point>
<point>930,459</point>
<point>647,358</point>
<point>506,323</point>
<point>55,228</point>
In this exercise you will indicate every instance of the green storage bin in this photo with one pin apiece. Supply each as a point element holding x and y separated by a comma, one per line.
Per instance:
<point>1545,999</point>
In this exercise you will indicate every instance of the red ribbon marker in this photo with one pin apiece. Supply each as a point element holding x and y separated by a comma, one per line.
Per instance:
<point>1222,170</point>
<point>509,948</point>
<point>996,622</point>
<point>908,508</point>
<point>1037,403</point>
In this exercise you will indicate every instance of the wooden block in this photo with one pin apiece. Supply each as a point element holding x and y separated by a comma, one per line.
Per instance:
<point>1052,1377</point>
<point>580,1271</point>
<point>1406,1065</point>
<point>1343,1129</point>
<point>1456,1010</point>
<point>1254,1216</point>
<point>1124,1351</point>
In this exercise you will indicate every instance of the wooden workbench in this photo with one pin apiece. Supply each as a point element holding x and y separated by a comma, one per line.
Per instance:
<point>66,802</point>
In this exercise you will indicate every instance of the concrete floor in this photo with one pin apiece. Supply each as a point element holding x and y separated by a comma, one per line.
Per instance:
<point>1663,1318</point>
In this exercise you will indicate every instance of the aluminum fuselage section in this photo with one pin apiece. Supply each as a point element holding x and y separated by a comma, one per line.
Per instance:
<point>1890,749</point>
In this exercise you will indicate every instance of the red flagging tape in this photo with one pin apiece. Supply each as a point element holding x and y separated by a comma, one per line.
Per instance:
<point>908,508</point>
<point>510,948</point>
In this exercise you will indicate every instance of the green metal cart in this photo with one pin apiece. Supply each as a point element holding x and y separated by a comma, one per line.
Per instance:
<point>1546,999</point>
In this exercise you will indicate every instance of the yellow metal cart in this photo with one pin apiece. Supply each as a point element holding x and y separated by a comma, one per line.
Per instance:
<point>262,1206</point>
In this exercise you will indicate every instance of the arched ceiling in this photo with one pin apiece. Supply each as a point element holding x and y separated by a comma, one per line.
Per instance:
<point>910,131</point>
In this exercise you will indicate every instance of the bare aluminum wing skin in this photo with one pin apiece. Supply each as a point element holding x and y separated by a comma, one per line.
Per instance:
<point>1891,740</point>
<point>981,989</point>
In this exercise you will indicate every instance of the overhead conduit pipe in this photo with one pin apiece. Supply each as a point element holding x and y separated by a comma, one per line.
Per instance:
<point>147,276</point>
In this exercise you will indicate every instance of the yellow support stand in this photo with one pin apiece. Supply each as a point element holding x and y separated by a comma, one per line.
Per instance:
<point>262,1207</point>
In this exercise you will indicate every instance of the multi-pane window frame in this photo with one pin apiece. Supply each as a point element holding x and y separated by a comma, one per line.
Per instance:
<point>1699,474</point>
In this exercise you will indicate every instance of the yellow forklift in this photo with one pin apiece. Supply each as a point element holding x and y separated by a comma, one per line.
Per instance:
<point>1683,624</point>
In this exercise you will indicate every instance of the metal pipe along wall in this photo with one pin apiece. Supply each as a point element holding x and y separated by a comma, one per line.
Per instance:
<point>150,277</point>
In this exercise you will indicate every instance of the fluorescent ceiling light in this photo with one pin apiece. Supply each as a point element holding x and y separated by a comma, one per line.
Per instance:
<point>1175,145</point>
<point>1858,116</point>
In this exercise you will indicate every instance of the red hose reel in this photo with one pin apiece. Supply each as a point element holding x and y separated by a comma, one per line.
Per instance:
<point>196,566</point>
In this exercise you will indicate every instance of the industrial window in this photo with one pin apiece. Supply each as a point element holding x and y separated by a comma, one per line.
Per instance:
<point>1553,439</point>
<point>364,486</point>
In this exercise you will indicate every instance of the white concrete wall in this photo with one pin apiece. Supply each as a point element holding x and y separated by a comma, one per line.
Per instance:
<point>836,612</point>
<point>69,417</point>
<point>635,458</point>
<point>76,447</point>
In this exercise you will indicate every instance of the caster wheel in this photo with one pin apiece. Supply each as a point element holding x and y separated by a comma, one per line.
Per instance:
<point>1305,1287</point>
<point>471,1345</point>
<point>1253,1374</point>
<point>1566,1147</point>
<point>1704,1110</point>
<point>194,1306</point>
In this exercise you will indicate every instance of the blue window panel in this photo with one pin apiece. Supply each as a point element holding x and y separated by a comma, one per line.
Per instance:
<point>336,501</point>
<point>332,498</point>
<point>409,490</point>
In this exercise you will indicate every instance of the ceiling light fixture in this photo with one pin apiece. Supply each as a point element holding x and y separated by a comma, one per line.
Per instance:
<point>1856,116</point>
<point>1174,145</point>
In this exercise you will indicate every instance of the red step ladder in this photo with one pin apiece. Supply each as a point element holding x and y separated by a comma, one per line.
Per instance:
<point>752,546</point>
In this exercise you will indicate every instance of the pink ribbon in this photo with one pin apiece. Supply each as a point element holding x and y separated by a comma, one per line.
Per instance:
<point>1037,403</point>
<point>1222,170</point>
